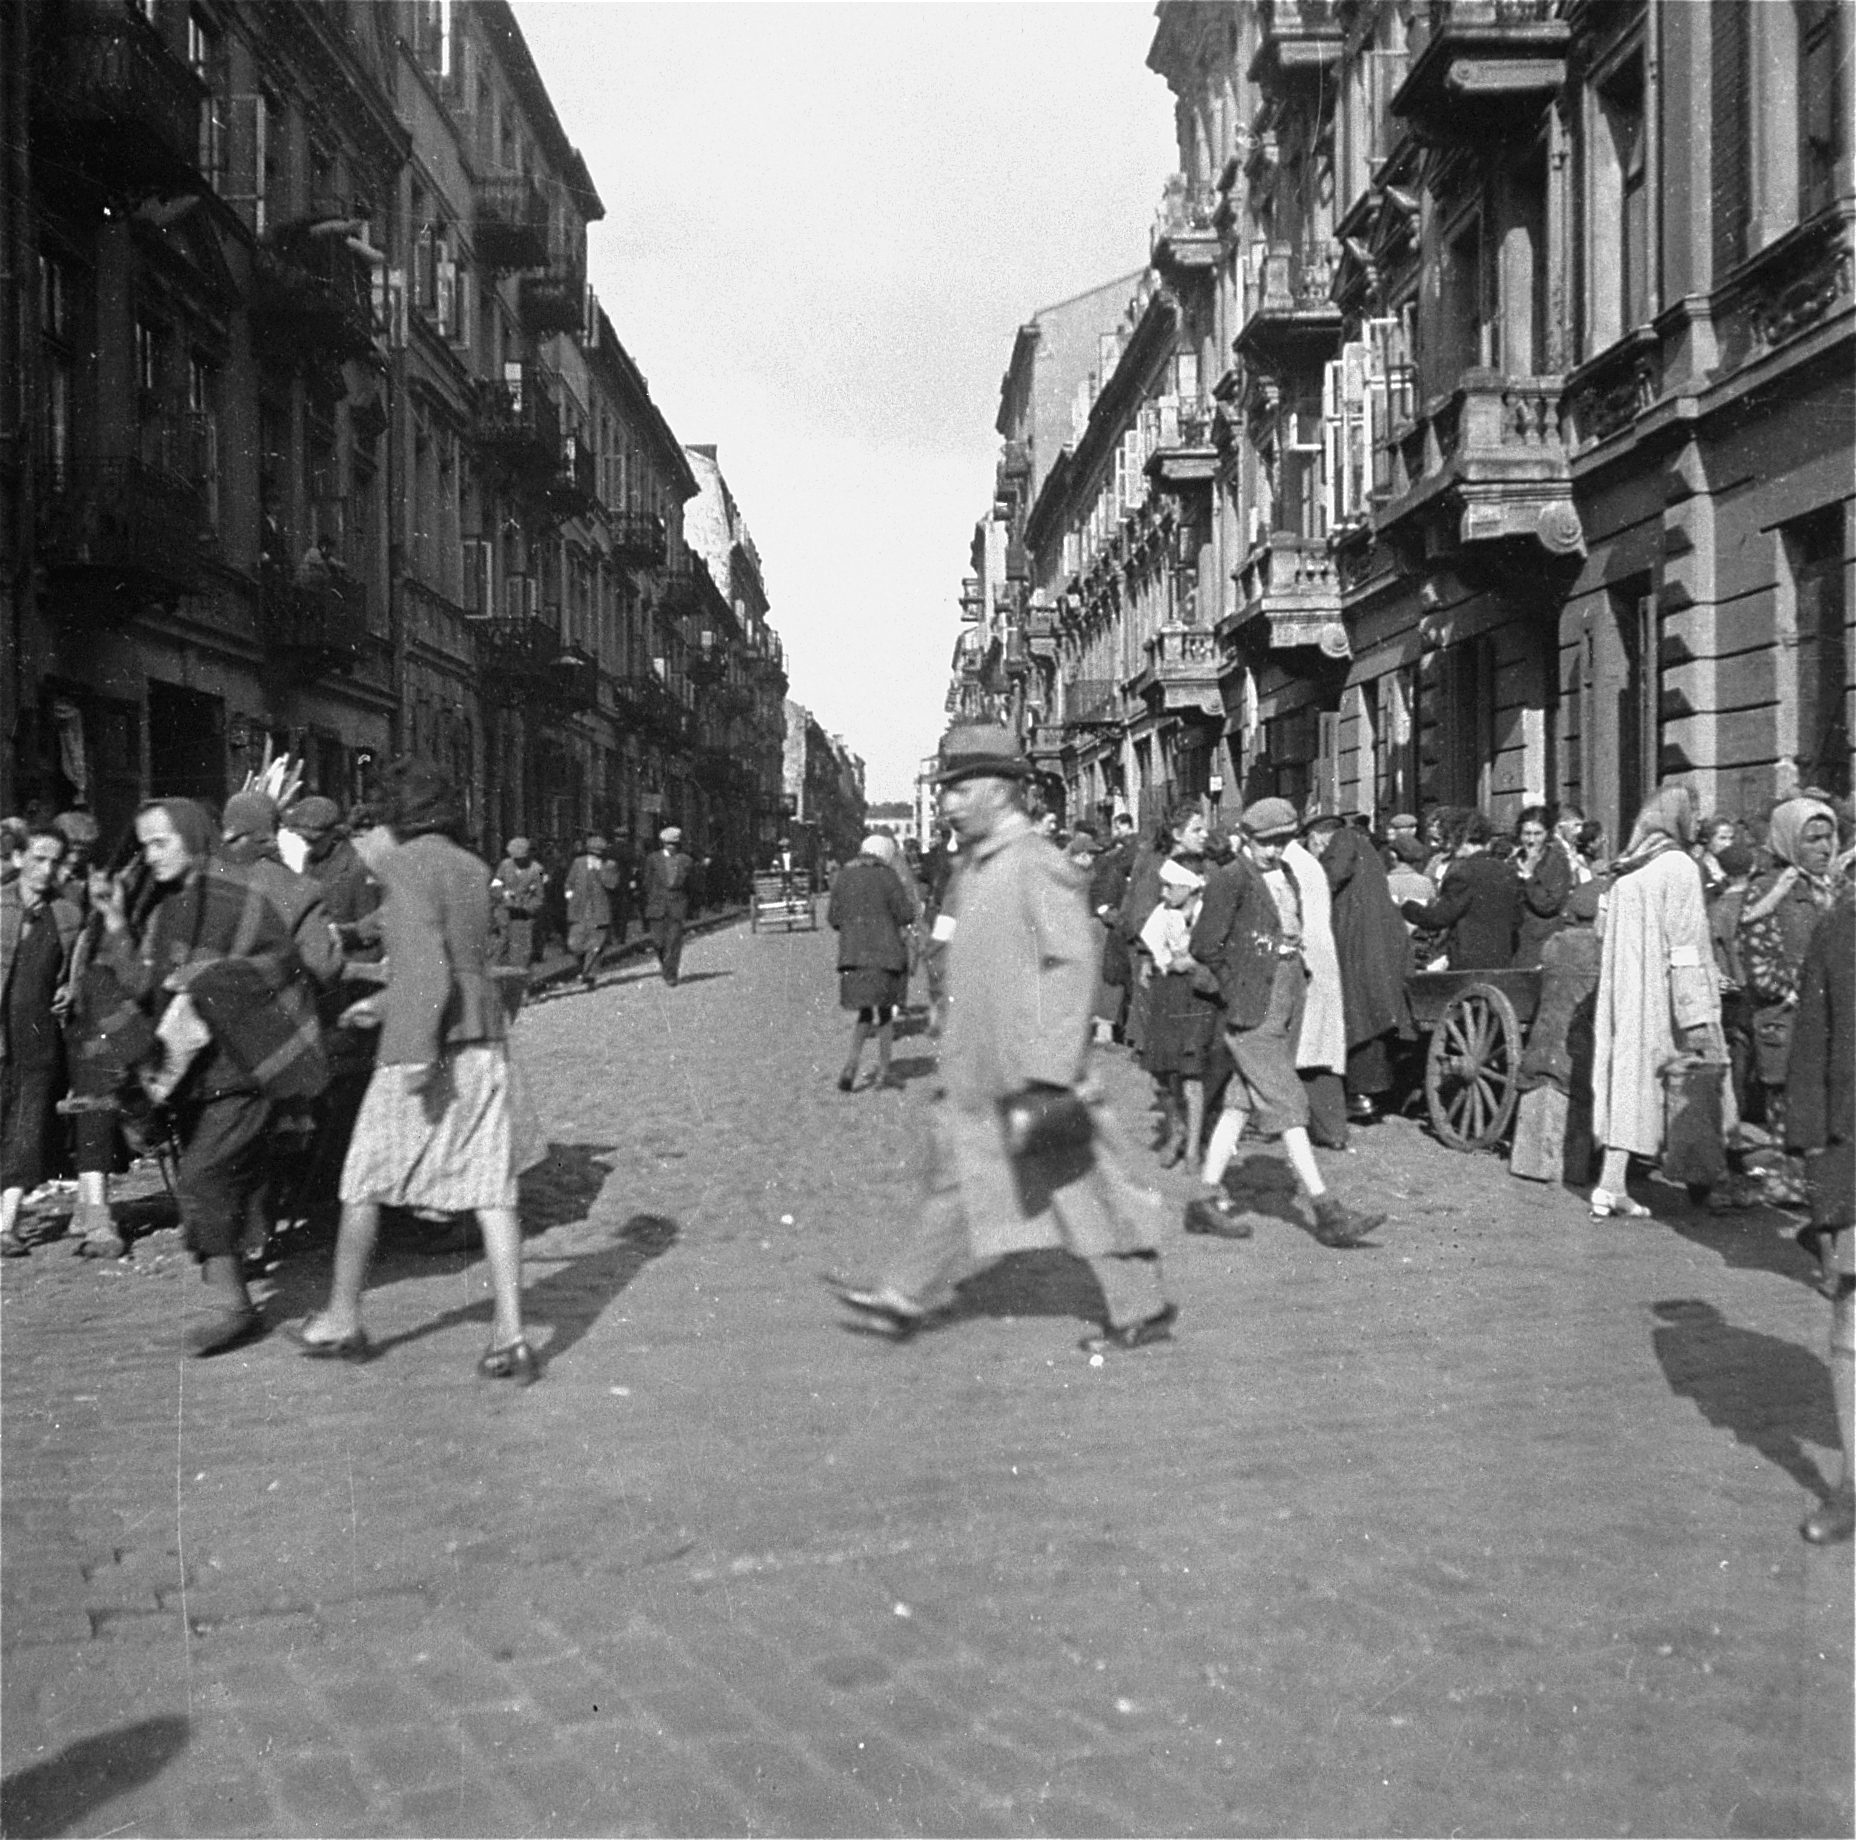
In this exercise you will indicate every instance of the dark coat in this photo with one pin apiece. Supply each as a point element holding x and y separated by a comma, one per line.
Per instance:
<point>666,879</point>
<point>1236,937</point>
<point>1369,938</point>
<point>1543,896</point>
<point>1478,909</point>
<point>436,924</point>
<point>1108,887</point>
<point>349,892</point>
<point>1820,1085</point>
<point>63,916</point>
<point>871,911</point>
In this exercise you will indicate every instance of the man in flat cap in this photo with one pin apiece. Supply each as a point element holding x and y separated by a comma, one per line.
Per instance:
<point>522,887</point>
<point>1023,1153</point>
<point>1250,934</point>
<point>667,899</point>
<point>591,880</point>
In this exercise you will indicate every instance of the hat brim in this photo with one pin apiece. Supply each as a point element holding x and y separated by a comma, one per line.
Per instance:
<point>980,767</point>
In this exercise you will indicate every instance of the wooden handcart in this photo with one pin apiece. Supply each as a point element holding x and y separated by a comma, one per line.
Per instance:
<point>783,900</point>
<point>1477,1022</point>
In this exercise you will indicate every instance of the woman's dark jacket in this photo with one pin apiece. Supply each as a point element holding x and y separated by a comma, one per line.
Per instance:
<point>1543,898</point>
<point>1478,909</point>
<point>871,911</point>
<point>1369,937</point>
<point>1820,1084</point>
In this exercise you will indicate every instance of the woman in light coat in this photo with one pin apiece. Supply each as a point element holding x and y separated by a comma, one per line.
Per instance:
<point>1321,1050</point>
<point>1658,993</point>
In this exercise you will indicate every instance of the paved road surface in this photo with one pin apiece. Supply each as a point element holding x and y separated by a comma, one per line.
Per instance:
<point>1490,1529</point>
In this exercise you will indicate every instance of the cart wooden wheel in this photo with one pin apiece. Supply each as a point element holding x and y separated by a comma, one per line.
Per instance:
<point>1469,1074</point>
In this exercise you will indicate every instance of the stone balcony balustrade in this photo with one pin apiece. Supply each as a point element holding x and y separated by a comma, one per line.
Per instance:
<point>1291,584</point>
<point>1484,69</point>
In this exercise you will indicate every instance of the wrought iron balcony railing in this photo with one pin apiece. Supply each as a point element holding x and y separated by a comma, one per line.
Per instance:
<point>314,622</point>
<point>517,426</point>
<point>638,539</point>
<point>511,228</point>
<point>555,299</point>
<point>129,533</point>
<point>312,294</point>
<point>112,102</point>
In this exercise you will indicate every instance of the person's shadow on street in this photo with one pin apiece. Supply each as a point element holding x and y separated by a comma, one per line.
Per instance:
<point>1266,1186</point>
<point>1044,1283</point>
<point>55,1796</point>
<point>1753,1240</point>
<point>1771,1394</point>
<point>569,1299</point>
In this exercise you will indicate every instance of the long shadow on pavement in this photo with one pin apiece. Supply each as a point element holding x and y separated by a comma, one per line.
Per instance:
<point>1760,1239</point>
<point>570,1298</point>
<point>1771,1394</point>
<point>53,1797</point>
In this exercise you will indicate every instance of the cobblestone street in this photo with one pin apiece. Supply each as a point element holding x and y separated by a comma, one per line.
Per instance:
<point>1491,1527</point>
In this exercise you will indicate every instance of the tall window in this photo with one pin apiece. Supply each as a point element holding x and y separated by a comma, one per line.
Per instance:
<point>57,331</point>
<point>1622,720</point>
<point>1819,138</point>
<point>206,59</point>
<point>203,433</point>
<point>1620,208</point>
<point>1464,327</point>
<point>1814,556</point>
<point>150,426</point>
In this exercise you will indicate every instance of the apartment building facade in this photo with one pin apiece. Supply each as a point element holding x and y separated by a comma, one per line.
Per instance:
<point>1529,366</point>
<point>320,440</point>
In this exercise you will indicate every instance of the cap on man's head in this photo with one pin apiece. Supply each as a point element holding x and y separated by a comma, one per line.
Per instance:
<point>518,846</point>
<point>1402,821</point>
<point>595,843</point>
<point>1269,819</point>
<point>250,814</point>
<point>670,834</point>
<point>312,816</point>
<point>980,750</point>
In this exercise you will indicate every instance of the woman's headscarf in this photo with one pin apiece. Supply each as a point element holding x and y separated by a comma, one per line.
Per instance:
<point>1786,827</point>
<point>191,825</point>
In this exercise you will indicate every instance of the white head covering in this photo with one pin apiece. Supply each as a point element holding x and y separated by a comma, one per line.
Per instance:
<point>1177,875</point>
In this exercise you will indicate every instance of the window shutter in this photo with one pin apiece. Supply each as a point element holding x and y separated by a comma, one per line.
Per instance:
<point>446,296</point>
<point>245,169</point>
<point>1332,448</point>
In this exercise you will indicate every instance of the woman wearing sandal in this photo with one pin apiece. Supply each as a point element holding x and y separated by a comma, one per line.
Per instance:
<point>446,1124</point>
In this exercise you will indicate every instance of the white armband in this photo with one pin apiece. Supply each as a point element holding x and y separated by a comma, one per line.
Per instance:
<point>943,929</point>
<point>1685,958</point>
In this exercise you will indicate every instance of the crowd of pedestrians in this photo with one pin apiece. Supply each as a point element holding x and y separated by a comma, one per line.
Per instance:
<point>1690,996</point>
<point>307,1014</point>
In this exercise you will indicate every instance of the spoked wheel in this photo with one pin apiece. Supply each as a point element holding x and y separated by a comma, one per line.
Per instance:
<point>1469,1074</point>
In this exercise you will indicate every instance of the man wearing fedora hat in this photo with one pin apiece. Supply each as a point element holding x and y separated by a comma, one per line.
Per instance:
<point>1023,1153</point>
<point>1250,935</point>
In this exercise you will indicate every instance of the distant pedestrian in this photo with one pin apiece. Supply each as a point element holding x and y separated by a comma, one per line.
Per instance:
<point>446,1125</point>
<point>871,914</point>
<point>1023,1153</point>
<point>1182,1011</point>
<point>1546,879</point>
<point>1478,904</point>
<point>524,890</point>
<point>666,880</point>
<point>591,880</point>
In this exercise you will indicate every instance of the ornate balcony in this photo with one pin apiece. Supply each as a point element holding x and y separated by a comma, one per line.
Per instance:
<point>315,624</point>
<point>576,681</point>
<point>1188,451</point>
<point>1292,324</point>
<point>554,300</point>
<point>1486,463</point>
<point>1091,707</point>
<point>511,228</point>
<point>1185,237</point>
<point>574,490</point>
<point>686,587</point>
<point>1485,70</point>
<point>1300,38</point>
<point>1290,584</point>
<point>518,659</point>
<point>972,600</point>
<point>1041,632</point>
<point>110,101</point>
<point>517,427</point>
<point>116,535</point>
<point>312,295</point>
<point>1044,744</point>
<point>638,539</point>
<point>1181,673</point>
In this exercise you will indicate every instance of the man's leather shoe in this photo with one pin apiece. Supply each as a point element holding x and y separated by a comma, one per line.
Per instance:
<point>1834,1522</point>
<point>1336,1224</point>
<point>1217,1215</point>
<point>1361,1110</point>
<point>229,1329</point>
<point>1155,1328</point>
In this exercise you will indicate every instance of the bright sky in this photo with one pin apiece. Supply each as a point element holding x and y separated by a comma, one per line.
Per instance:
<point>824,225</point>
